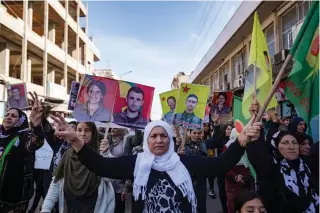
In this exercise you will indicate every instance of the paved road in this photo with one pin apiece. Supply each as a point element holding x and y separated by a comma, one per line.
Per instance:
<point>213,205</point>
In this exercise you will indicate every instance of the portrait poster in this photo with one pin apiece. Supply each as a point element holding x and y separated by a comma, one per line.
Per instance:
<point>222,103</point>
<point>95,100</point>
<point>73,95</point>
<point>17,96</point>
<point>133,105</point>
<point>191,106</point>
<point>279,93</point>
<point>168,103</point>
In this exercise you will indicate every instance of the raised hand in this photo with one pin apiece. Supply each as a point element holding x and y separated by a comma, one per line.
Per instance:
<point>251,132</point>
<point>215,118</point>
<point>239,178</point>
<point>64,130</point>
<point>36,111</point>
<point>254,107</point>
<point>104,145</point>
<point>181,150</point>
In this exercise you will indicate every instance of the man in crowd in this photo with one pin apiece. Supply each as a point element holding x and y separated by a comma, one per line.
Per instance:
<point>188,116</point>
<point>168,117</point>
<point>132,115</point>
<point>16,101</point>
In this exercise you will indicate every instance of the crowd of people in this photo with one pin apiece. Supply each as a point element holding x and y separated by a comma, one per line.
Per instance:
<point>271,166</point>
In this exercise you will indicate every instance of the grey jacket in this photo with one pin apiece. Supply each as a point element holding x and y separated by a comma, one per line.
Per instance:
<point>81,114</point>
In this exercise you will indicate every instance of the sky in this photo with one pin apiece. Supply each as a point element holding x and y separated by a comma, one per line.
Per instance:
<point>155,40</point>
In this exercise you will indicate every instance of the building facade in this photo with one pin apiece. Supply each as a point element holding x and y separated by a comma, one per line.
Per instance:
<point>46,45</point>
<point>226,62</point>
<point>179,78</point>
<point>108,73</point>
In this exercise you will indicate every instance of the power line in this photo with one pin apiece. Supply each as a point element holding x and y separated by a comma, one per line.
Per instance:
<point>213,21</point>
<point>199,30</point>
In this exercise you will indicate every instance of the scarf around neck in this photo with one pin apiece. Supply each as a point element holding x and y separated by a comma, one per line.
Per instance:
<point>169,163</point>
<point>292,177</point>
<point>80,180</point>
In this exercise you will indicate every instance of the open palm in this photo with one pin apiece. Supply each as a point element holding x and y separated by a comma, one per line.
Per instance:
<point>63,129</point>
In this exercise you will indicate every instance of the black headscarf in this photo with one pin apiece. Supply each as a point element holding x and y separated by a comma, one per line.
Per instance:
<point>20,128</point>
<point>80,180</point>
<point>292,127</point>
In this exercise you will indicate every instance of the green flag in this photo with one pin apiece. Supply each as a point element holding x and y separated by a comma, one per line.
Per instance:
<point>238,116</point>
<point>302,86</point>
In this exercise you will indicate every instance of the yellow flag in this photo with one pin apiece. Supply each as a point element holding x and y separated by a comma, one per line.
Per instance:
<point>259,59</point>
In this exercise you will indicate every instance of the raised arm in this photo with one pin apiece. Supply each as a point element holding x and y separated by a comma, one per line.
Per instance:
<point>202,166</point>
<point>115,168</point>
<point>214,166</point>
<point>35,139</point>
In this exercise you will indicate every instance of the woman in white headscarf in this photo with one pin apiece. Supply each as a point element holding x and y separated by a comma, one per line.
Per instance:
<point>162,181</point>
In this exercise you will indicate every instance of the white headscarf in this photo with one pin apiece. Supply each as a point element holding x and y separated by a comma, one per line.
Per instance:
<point>233,137</point>
<point>169,163</point>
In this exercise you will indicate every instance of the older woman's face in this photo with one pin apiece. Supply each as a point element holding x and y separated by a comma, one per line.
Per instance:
<point>289,147</point>
<point>10,119</point>
<point>301,127</point>
<point>305,148</point>
<point>158,141</point>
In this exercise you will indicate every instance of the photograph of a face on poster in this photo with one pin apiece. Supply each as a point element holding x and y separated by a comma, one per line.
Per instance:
<point>168,103</point>
<point>191,106</point>
<point>73,95</point>
<point>133,105</point>
<point>222,102</point>
<point>17,96</point>
<point>95,100</point>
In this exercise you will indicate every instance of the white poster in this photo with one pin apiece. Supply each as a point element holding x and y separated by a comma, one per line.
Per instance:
<point>43,157</point>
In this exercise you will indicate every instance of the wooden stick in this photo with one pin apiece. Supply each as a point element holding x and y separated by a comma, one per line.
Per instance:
<point>184,138</point>
<point>274,87</point>
<point>254,80</point>
<point>177,130</point>
<point>107,130</point>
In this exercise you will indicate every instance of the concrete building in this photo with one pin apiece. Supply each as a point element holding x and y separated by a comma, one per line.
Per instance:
<point>181,77</point>
<point>224,65</point>
<point>108,73</point>
<point>45,44</point>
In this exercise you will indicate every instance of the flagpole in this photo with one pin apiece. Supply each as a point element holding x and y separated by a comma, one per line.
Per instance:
<point>274,87</point>
<point>254,81</point>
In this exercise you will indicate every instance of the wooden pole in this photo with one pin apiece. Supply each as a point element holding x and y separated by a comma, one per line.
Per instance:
<point>107,130</point>
<point>184,138</point>
<point>254,81</point>
<point>274,87</point>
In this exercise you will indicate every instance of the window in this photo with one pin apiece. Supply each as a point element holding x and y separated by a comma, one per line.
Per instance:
<point>215,81</point>
<point>239,63</point>
<point>224,76</point>
<point>269,34</point>
<point>294,16</point>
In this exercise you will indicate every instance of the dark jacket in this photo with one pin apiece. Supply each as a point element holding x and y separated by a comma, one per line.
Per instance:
<point>271,185</point>
<point>16,180</point>
<point>121,119</point>
<point>202,166</point>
